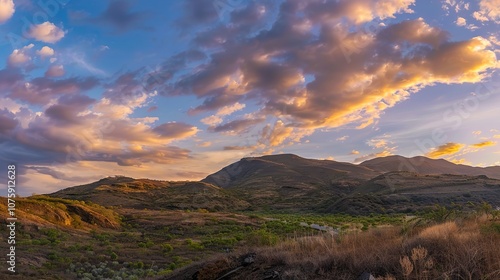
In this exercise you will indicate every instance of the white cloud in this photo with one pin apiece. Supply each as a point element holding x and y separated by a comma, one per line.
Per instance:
<point>46,32</point>
<point>20,56</point>
<point>7,9</point>
<point>228,110</point>
<point>212,120</point>
<point>224,111</point>
<point>490,9</point>
<point>45,52</point>
<point>461,21</point>
<point>343,138</point>
<point>479,16</point>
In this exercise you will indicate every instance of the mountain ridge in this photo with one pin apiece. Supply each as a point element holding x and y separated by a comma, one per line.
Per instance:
<point>287,181</point>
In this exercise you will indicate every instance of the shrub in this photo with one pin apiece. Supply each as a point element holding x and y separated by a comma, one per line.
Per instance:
<point>167,248</point>
<point>262,237</point>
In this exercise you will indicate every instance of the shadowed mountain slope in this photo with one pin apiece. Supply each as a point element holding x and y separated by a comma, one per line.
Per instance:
<point>427,166</point>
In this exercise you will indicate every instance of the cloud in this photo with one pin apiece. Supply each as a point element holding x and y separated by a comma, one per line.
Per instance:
<point>446,149</point>
<point>312,68</point>
<point>204,144</point>
<point>45,52</point>
<point>55,71</point>
<point>461,21</point>
<point>7,9</point>
<point>484,144</point>
<point>175,130</point>
<point>42,90</point>
<point>354,152</point>
<point>237,148</point>
<point>460,161</point>
<point>384,153</point>
<point>80,60</point>
<point>20,56</point>
<point>212,120</point>
<point>477,132</point>
<point>359,11</point>
<point>488,10</point>
<point>276,134</point>
<point>379,142</point>
<point>74,128</point>
<point>7,121</point>
<point>9,79</point>
<point>479,16</point>
<point>119,16</point>
<point>343,138</point>
<point>236,126</point>
<point>280,133</point>
<point>46,32</point>
<point>216,119</point>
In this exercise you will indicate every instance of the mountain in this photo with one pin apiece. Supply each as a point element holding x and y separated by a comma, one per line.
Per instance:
<point>427,166</point>
<point>128,192</point>
<point>287,181</point>
<point>287,170</point>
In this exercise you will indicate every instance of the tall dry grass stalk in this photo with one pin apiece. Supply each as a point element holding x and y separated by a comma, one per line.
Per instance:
<point>443,251</point>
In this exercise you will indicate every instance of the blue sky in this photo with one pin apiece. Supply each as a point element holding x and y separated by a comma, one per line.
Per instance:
<point>176,90</point>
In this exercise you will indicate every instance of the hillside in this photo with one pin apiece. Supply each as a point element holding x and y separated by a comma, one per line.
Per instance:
<point>125,192</point>
<point>47,211</point>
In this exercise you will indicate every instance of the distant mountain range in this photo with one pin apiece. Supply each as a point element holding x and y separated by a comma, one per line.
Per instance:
<point>427,166</point>
<point>289,182</point>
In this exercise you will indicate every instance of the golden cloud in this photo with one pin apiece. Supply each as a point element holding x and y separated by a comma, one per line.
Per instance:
<point>446,149</point>
<point>484,144</point>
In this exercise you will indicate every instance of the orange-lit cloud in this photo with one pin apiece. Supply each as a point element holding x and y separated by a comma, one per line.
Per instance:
<point>445,150</point>
<point>46,32</point>
<point>484,144</point>
<point>488,10</point>
<point>55,71</point>
<point>460,161</point>
<point>7,9</point>
<point>45,52</point>
<point>20,56</point>
<point>461,21</point>
<point>384,153</point>
<point>216,119</point>
<point>343,90</point>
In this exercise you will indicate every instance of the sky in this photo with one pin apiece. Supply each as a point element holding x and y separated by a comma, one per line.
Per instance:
<point>176,90</point>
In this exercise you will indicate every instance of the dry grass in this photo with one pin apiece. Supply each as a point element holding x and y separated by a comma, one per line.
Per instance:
<point>452,250</point>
